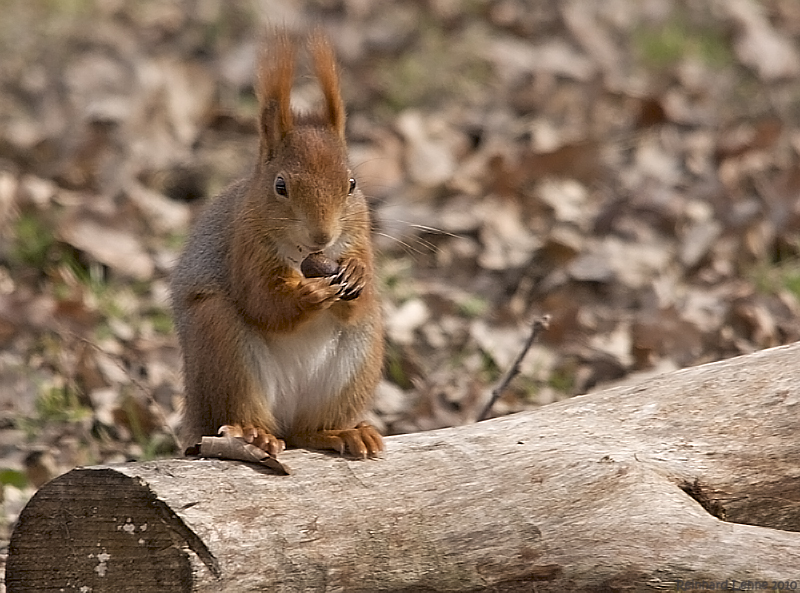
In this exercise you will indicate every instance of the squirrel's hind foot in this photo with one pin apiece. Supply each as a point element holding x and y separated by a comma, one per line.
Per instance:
<point>362,441</point>
<point>255,436</point>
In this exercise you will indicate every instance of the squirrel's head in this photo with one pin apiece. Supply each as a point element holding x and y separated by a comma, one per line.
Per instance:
<point>302,176</point>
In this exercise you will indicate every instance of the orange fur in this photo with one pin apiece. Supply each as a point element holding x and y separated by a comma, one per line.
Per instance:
<point>327,73</point>
<point>267,350</point>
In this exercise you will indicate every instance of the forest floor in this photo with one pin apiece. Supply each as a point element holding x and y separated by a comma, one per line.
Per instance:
<point>630,167</point>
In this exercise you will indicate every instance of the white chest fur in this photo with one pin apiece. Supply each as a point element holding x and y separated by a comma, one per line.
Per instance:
<point>306,367</point>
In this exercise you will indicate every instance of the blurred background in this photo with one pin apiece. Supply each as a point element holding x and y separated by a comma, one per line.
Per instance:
<point>630,167</point>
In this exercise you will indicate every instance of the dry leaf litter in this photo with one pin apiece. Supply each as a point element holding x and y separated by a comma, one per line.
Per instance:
<point>631,168</point>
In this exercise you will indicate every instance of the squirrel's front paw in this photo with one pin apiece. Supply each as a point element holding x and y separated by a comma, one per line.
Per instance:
<point>352,278</point>
<point>253,435</point>
<point>318,293</point>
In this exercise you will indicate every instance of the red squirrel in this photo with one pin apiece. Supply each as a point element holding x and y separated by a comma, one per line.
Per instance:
<point>269,354</point>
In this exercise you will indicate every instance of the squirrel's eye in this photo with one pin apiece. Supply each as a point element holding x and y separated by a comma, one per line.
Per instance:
<point>280,186</point>
<point>352,187</point>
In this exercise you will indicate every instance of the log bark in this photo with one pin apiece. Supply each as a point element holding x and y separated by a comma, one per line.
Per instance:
<point>688,480</point>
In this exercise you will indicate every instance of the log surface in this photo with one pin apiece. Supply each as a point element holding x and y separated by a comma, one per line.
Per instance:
<point>691,477</point>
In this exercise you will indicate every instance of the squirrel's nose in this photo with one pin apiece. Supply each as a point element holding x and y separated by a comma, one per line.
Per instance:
<point>321,238</point>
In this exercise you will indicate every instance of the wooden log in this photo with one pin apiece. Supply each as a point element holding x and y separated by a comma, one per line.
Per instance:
<point>688,480</point>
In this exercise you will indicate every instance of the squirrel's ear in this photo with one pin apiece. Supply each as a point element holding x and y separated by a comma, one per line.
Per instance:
<point>275,77</point>
<point>328,75</point>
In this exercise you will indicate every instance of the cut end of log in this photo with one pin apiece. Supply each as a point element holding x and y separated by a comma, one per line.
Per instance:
<point>139,549</point>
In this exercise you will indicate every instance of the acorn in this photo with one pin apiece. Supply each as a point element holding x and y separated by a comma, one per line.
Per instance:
<point>318,265</point>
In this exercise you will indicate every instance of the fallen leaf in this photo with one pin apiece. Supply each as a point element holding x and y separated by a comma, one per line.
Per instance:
<point>109,241</point>
<point>236,449</point>
<point>697,241</point>
<point>406,319</point>
<point>516,58</point>
<point>759,45</point>
<point>430,160</point>
<point>507,240</point>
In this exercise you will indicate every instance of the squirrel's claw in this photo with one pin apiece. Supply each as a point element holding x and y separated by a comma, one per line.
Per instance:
<point>258,437</point>
<point>352,278</point>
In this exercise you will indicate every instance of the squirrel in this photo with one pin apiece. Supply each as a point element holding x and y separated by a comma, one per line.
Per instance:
<point>270,354</point>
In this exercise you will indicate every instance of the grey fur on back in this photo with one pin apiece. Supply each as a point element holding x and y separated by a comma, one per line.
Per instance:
<point>203,266</point>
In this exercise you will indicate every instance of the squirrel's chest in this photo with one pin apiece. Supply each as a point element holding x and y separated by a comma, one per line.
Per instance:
<point>307,367</point>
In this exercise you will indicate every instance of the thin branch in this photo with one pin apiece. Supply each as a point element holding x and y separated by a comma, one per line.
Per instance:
<point>148,393</point>
<point>539,325</point>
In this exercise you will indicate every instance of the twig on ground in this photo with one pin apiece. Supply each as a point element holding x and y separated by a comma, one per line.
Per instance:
<point>148,393</point>
<point>539,324</point>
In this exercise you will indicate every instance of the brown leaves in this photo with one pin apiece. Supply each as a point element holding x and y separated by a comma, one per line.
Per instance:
<point>626,187</point>
<point>759,45</point>
<point>108,241</point>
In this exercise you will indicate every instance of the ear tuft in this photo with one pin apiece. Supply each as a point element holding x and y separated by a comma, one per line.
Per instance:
<point>275,77</point>
<point>328,75</point>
